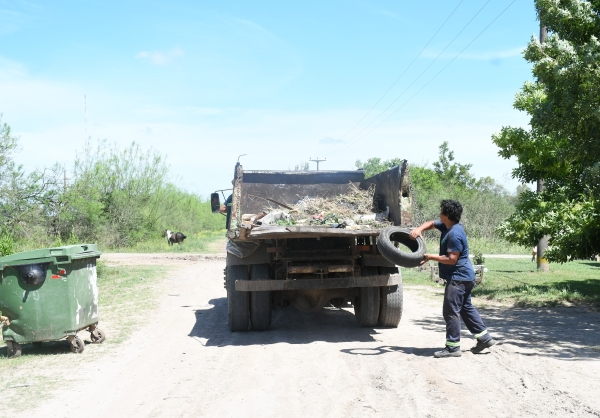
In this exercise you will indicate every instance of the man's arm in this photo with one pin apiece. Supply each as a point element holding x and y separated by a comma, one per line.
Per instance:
<point>418,231</point>
<point>450,258</point>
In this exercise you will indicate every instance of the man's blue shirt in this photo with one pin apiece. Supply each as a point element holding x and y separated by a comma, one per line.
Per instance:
<point>455,240</point>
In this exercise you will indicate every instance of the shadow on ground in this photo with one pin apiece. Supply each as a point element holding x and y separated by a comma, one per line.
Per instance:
<point>563,333</point>
<point>288,325</point>
<point>377,351</point>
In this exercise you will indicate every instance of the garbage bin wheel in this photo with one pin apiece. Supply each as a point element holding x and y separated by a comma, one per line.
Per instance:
<point>77,345</point>
<point>13,349</point>
<point>97,336</point>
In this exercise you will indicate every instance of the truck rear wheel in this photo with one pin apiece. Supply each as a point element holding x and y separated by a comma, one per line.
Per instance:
<point>366,305</point>
<point>260,302</point>
<point>390,311</point>
<point>237,302</point>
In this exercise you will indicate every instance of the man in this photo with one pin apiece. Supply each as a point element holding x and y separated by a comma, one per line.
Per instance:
<point>226,208</point>
<point>456,269</point>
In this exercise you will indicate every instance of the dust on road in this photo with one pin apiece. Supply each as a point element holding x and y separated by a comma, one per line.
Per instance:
<point>186,363</point>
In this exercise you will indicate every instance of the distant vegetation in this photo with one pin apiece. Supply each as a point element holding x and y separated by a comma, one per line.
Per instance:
<point>486,203</point>
<point>115,197</point>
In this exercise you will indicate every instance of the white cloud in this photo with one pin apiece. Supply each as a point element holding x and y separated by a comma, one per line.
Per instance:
<point>160,58</point>
<point>202,143</point>
<point>10,69</point>
<point>394,16</point>
<point>11,21</point>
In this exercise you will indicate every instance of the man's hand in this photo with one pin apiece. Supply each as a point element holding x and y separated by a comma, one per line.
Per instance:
<point>415,233</point>
<point>426,258</point>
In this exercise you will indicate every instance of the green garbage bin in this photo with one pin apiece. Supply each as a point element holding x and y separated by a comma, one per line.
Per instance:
<point>48,295</point>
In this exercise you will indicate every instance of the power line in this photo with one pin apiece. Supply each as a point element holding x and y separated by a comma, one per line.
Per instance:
<point>403,72</point>
<point>430,80</point>
<point>413,82</point>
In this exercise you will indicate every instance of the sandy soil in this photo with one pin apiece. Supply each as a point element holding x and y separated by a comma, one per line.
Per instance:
<point>187,363</point>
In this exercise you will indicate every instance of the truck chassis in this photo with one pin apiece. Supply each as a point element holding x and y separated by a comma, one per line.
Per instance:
<point>311,267</point>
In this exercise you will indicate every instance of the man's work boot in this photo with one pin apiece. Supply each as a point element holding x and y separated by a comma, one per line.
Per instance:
<point>448,352</point>
<point>482,345</point>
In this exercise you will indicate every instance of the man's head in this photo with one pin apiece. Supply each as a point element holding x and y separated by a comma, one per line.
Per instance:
<point>452,209</point>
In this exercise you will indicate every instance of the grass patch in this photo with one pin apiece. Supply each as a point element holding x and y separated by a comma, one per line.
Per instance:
<point>517,281</point>
<point>194,243</point>
<point>127,297</point>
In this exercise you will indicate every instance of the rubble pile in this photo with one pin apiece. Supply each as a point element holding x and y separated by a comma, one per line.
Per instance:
<point>355,209</point>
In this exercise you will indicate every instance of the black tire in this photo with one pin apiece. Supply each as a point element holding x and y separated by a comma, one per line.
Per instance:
<point>385,245</point>
<point>13,349</point>
<point>238,303</point>
<point>366,305</point>
<point>97,336</point>
<point>390,311</point>
<point>260,302</point>
<point>77,346</point>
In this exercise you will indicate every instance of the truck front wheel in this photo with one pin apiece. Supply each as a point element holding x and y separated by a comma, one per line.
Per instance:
<point>237,302</point>
<point>260,302</point>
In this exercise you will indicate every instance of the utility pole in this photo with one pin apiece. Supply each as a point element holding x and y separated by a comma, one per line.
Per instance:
<point>317,161</point>
<point>64,181</point>
<point>542,263</point>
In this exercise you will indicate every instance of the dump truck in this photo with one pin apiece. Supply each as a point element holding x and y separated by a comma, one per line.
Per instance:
<point>311,266</point>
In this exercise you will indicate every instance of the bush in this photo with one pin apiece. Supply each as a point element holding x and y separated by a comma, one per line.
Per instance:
<point>478,258</point>
<point>7,244</point>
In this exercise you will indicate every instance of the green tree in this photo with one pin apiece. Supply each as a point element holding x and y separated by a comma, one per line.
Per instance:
<point>562,147</point>
<point>22,195</point>
<point>486,203</point>
<point>450,172</point>
<point>302,167</point>
<point>375,166</point>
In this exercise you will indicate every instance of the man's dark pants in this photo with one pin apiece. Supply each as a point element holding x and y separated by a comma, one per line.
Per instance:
<point>457,305</point>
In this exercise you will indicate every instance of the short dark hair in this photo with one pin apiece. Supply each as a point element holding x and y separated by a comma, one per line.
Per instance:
<point>452,209</point>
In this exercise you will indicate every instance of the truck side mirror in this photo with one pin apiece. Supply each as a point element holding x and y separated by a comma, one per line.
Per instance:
<point>215,202</point>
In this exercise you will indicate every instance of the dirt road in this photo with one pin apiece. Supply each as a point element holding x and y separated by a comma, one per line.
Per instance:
<point>186,363</point>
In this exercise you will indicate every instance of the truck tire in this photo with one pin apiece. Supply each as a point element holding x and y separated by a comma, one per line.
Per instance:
<point>260,302</point>
<point>237,302</point>
<point>390,311</point>
<point>366,305</point>
<point>385,245</point>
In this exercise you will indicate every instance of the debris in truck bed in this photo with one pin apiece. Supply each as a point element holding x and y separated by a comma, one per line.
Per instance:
<point>356,209</point>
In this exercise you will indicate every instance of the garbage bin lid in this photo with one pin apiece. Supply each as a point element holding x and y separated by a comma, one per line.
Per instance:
<point>71,251</point>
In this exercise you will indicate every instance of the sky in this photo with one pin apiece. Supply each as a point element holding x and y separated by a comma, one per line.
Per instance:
<point>282,82</point>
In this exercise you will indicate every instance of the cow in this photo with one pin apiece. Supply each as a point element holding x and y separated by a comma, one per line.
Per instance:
<point>174,237</point>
